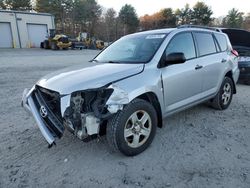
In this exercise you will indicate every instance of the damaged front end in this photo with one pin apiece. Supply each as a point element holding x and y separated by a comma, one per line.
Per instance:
<point>81,112</point>
<point>44,105</point>
<point>85,111</point>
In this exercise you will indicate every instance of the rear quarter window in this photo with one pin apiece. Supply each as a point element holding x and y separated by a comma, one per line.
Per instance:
<point>205,43</point>
<point>222,41</point>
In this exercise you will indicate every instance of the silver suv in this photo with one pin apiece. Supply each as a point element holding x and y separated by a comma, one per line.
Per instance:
<point>127,89</point>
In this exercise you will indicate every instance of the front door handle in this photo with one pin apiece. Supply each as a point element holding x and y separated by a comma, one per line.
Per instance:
<point>223,61</point>
<point>198,67</point>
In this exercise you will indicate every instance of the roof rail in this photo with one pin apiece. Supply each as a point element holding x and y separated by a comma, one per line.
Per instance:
<point>198,26</point>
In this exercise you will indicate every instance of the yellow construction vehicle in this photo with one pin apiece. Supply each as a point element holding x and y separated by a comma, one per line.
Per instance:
<point>99,44</point>
<point>56,41</point>
<point>84,41</point>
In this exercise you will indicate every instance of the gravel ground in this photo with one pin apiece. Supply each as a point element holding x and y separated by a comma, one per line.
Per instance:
<point>199,147</point>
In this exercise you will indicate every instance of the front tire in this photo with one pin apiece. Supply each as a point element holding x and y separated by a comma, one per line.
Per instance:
<point>132,130</point>
<point>54,46</point>
<point>224,97</point>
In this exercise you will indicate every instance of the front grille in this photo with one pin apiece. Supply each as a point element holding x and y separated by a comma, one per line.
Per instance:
<point>52,100</point>
<point>53,121</point>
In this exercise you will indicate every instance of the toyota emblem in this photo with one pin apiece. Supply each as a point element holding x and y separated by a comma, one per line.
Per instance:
<point>43,112</point>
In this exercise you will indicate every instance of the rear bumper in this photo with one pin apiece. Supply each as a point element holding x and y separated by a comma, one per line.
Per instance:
<point>29,105</point>
<point>244,76</point>
<point>244,73</point>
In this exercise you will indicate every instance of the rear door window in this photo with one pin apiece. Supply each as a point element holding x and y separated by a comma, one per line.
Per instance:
<point>182,43</point>
<point>222,41</point>
<point>205,43</point>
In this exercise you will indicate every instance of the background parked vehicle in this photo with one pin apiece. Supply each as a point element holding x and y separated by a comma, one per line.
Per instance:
<point>240,40</point>
<point>84,41</point>
<point>56,41</point>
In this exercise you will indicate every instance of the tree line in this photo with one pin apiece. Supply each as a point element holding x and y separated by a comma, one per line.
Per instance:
<point>199,14</point>
<point>74,16</point>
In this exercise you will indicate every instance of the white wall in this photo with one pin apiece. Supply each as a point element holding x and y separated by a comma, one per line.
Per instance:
<point>22,19</point>
<point>10,17</point>
<point>31,19</point>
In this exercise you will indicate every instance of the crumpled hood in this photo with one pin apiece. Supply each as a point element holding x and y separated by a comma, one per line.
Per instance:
<point>87,76</point>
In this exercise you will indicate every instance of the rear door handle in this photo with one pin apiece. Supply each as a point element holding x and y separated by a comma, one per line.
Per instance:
<point>223,61</point>
<point>198,67</point>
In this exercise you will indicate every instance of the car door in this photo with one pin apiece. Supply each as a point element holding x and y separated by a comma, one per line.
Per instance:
<point>212,61</point>
<point>182,82</point>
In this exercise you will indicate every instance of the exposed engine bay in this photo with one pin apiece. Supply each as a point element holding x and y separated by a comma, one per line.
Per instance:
<point>87,111</point>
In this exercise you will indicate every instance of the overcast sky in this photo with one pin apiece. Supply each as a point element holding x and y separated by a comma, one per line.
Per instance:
<point>219,7</point>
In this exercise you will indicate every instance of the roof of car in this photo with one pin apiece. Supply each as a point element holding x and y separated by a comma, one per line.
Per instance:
<point>155,31</point>
<point>180,28</point>
<point>183,27</point>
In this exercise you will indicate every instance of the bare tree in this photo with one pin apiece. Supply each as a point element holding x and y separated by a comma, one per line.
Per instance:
<point>110,24</point>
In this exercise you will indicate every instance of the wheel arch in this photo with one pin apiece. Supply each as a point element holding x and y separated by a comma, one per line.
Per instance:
<point>230,75</point>
<point>153,100</point>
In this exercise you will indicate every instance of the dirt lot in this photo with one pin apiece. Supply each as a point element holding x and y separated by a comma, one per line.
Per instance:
<point>199,147</point>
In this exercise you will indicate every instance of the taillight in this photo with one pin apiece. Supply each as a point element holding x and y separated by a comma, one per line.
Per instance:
<point>235,53</point>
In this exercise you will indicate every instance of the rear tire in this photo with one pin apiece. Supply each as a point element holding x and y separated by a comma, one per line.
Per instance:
<point>46,44</point>
<point>132,130</point>
<point>224,96</point>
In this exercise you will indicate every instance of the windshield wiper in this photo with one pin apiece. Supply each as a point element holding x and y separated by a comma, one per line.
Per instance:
<point>114,62</point>
<point>93,60</point>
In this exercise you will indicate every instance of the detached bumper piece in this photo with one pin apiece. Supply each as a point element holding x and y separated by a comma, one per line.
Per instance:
<point>50,125</point>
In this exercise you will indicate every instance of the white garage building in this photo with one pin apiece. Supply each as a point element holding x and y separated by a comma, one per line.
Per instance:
<point>24,29</point>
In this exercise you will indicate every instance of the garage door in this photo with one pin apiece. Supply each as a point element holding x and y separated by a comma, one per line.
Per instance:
<point>5,36</point>
<point>37,33</point>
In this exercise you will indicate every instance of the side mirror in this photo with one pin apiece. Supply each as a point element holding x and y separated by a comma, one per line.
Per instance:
<point>175,58</point>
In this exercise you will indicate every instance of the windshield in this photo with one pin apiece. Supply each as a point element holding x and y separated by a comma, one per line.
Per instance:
<point>132,49</point>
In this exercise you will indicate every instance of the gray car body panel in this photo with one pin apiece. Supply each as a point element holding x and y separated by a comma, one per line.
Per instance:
<point>89,75</point>
<point>152,78</point>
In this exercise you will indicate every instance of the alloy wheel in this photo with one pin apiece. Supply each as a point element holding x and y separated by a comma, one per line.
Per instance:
<point>137,128</point>
<point>226,95</point>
